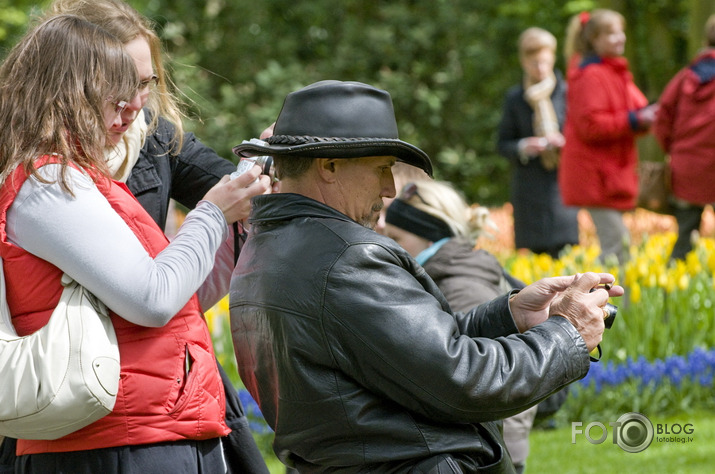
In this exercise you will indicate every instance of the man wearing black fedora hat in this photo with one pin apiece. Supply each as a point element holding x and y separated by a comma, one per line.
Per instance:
<point>351,351</point>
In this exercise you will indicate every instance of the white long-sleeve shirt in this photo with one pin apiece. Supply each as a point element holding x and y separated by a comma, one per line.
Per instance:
<point>88,240</point>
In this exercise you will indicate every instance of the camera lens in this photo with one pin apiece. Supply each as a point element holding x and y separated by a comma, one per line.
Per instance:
<point>611,310</point>
<point>266,164</point>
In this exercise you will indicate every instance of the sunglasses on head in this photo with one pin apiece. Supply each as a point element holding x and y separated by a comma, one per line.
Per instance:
<point>409,191</point>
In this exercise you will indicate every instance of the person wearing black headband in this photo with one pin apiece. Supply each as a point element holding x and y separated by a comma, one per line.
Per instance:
<point>433,222</point>
<point>351,351</point>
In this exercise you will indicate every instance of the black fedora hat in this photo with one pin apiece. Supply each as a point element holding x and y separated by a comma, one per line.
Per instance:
<point>335,119</point>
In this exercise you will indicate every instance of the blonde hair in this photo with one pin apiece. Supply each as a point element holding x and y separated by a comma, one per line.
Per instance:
<point>534,39</point>
<point>441,200</point>
<point>710,32</point>
<point>404,173</point>
<point>54,86</point>
<point>584,27</point>
<point>121,20</point>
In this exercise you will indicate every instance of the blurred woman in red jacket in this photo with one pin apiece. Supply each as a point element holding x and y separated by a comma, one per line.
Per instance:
<point>685,129</point>
<point>606,111</point>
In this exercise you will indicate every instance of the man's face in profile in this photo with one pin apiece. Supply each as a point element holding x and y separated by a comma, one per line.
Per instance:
<point>363,182</point>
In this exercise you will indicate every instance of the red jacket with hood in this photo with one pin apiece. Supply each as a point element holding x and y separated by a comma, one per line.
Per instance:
<point>599,160</point>
<point>158,400</point>
<point>685,128</point>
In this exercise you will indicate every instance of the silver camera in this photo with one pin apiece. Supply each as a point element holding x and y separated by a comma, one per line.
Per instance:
<point>246,163</point>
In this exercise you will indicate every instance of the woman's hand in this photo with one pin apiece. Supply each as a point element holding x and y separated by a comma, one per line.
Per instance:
<point>646,116</point>
<point>233,196</point>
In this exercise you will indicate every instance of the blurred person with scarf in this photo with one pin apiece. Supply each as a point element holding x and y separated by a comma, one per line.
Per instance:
<point>530,137</point>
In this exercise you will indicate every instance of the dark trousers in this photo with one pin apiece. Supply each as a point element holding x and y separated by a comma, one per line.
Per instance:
<point>7,456</point>
<point>688,218</point>
<point>176,457</point>
<point>239,450</point>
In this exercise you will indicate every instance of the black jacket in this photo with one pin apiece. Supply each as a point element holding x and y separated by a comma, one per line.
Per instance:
<point>541,221</point>
<point>159,176</point>
<point>358,363</point>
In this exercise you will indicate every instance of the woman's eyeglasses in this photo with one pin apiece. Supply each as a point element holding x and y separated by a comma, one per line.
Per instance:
<point>119,105</point>
<point>147,83</point>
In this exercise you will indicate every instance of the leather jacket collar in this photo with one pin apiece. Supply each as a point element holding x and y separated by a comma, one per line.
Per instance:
<point>286,206</point>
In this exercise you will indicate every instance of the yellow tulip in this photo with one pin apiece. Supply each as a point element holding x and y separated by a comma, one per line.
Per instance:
<point>635,295</point>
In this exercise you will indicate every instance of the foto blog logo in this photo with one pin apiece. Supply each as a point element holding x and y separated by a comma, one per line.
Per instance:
<point>632,432</point>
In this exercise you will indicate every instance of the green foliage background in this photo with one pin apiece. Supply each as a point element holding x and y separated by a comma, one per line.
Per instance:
<point>446,63</point>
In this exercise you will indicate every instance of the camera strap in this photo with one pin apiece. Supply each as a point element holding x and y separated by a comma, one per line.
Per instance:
<point>239,238</point>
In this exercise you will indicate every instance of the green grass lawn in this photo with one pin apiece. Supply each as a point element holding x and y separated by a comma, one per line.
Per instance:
<point>553,452</point>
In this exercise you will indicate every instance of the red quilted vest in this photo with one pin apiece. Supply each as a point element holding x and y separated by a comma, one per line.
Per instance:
<point>157,400</point>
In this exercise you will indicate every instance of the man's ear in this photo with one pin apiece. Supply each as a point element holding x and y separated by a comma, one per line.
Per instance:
<point>327,168</point>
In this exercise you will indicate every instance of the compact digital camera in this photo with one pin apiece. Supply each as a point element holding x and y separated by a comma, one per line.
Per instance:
<point>246,163</point>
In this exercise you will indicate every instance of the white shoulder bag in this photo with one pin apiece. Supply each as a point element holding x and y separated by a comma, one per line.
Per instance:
<point>62,377</point>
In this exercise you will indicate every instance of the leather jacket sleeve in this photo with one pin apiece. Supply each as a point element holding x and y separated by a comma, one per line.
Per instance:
<point>402,342</point>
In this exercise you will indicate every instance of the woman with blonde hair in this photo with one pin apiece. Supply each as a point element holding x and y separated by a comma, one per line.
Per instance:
<point>530,137</point>
<point>133,29</point>
<point>433,222</point>
<point>606,112</point>
<point>63,88</point>
<point>149,149</point>
<point>443,202</point>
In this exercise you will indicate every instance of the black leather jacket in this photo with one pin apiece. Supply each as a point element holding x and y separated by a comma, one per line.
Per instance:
<point>358,363</point>
<point>159,175</point>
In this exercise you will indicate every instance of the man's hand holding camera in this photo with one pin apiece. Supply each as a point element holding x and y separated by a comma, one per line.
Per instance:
<point>571,297</point>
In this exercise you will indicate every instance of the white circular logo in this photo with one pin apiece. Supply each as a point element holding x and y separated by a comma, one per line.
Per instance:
<point>635,432</point>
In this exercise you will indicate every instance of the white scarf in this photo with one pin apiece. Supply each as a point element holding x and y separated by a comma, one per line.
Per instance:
<point>122,157</point>
<point>545,122</point>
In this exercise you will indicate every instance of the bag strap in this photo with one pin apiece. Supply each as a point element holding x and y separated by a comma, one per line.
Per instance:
<point>6,326</point>
<point>239,238</point>
<point>7,329</point>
